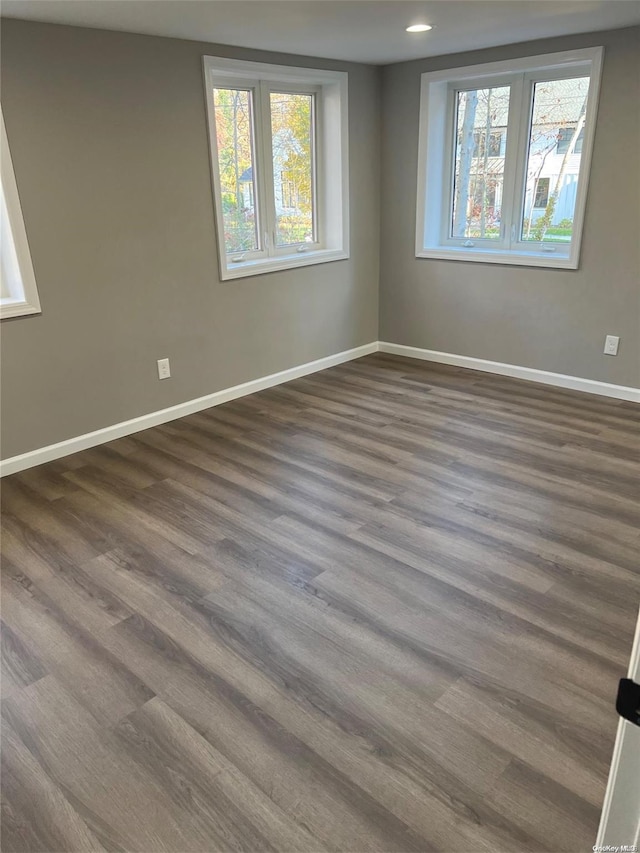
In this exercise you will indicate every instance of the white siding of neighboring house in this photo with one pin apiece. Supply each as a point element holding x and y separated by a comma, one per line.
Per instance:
<point>284,144</point>
<point>566,198</point>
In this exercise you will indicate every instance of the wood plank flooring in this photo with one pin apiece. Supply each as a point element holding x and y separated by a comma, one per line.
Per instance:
<point>380,608</point>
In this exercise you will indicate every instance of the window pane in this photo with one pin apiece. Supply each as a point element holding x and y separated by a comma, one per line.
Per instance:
<point>293,167</point>
<point>236,165</point>
<point>481,117</point>
<point>553,163</point>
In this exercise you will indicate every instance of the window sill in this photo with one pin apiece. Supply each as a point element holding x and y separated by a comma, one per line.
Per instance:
<point>17,308</point>
<point>514,258</point>
<point>282,262</point>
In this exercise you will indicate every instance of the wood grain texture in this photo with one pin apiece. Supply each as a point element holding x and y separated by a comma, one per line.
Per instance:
<point>380,608</point>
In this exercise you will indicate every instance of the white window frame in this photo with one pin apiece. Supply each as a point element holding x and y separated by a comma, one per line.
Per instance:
<point>436,153</point>
<point>331,178</point>
<point>19,295</point>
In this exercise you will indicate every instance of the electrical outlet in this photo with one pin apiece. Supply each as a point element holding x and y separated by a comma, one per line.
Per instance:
<point>611,345</point>
<point>164,369</point>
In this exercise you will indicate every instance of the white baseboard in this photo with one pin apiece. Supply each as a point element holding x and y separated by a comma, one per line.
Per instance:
<point>110,433</point>
<point>560,380</point>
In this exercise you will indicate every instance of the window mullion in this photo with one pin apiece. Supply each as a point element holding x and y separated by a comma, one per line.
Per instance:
<point>265,171</point>
<point>516,142</point>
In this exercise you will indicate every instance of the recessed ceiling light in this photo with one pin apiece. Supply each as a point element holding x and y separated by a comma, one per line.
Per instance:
<point>419,28</point>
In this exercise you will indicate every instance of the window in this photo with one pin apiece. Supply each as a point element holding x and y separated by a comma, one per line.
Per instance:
<point>279,162</point>
<point>18,292</point>
<point>541,193</point>
<point>495,147</point>
<point>504,156</point>
<point>565,140</point>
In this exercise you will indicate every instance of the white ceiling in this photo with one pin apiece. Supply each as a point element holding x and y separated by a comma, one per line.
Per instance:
<point>370,31</point>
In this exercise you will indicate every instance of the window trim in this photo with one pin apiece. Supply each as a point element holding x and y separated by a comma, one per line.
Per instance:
<point>435,150</point>
<point>22,298</point>
<point>331,204</point>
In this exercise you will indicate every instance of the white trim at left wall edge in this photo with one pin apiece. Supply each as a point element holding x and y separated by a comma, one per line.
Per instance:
<point>620,818</point>
<point>18,291</point>
<point>14,464</point>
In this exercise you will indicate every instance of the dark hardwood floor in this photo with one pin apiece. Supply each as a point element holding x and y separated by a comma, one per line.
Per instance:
<point>380,608</point>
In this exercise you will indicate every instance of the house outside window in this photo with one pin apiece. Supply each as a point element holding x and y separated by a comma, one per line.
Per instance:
<point>504,156</point>
<point>565,136</point>
<point>496,147</point>
<point>541,193</point>
<point>288,192</point>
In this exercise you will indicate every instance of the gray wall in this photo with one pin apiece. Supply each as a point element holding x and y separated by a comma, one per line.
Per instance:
<point>548,319</point>
<point>108,137</point>
<point>109,143</point>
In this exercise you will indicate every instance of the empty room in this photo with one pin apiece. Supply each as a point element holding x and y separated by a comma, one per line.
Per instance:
<point>320,386</point>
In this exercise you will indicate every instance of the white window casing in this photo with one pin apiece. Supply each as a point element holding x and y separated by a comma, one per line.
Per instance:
<point>18,291</point>
<point>437,141</point>
<point>331,163</point>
